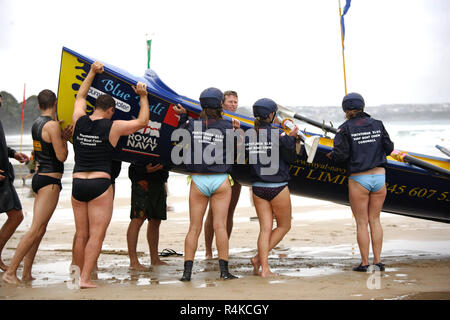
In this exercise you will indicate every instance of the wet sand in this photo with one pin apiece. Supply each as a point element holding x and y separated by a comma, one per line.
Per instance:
<point>313,261</point>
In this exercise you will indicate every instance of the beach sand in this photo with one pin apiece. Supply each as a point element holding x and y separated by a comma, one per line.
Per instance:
<point>314,260</point>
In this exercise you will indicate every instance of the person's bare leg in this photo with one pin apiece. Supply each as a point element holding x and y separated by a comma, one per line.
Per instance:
<point>209,230</point>
<point>197,207</point>
<point>255,260</point>
<point>99,213</point>
<point>264,212</point>
<point>132,240</point>
<point>282,210</point>
<point>359,202</point>
<point>47,202</point>
<point>43,208</point>
<point>95,271</point>
<point>29,258</point>
<point>153,241</point>
<point>80,212</point>
<point>219,202</point>
<point>209,234</point>
<point>235,193</point>
<point>376,201</point>
<point>15,217</point>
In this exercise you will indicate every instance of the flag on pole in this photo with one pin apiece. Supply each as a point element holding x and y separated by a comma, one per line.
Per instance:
<point>149,48</point>
<point>347,6</point>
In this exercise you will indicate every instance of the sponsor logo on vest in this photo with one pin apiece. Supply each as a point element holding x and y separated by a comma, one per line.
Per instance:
<point>37,145</point>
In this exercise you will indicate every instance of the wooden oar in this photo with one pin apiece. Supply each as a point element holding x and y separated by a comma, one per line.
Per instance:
<point>405,157</point>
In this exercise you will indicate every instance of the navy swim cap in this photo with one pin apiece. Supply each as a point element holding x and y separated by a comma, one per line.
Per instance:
<point>211,98</point>
<point>263,107</point>
<point>353,101</point>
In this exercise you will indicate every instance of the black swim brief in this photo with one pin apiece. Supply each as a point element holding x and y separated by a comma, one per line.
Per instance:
<point>267,193</point>
<point>40,181</point>
<point>88,189</point>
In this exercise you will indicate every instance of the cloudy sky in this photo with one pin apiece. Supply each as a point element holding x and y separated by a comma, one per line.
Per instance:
<point>396,51</point>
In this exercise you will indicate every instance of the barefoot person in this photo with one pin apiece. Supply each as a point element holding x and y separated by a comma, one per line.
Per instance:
<point>230,103</point>
<point>9,200</point>
<point>270,191</point>
<point>50,150</point>
<point>210,180</point>
<point>94,139</point>
<point>148,201</point>
<point>116,167</point>
<point>365,159</point>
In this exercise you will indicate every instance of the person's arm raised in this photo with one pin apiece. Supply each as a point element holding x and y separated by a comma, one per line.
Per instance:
<point>79,109</point>
<point>127,127</point>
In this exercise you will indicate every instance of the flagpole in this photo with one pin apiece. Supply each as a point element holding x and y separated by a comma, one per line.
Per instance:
<point>148,41</point>
<point>345,86</point>
<point>342,43</point>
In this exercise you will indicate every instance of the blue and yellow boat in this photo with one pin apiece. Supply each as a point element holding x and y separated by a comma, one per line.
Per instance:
<point>417,185</point>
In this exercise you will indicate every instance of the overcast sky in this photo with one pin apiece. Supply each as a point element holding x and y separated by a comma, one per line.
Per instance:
<point>396,51</point>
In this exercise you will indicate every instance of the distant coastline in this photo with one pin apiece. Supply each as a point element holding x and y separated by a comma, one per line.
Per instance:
<point>395,112</point>
<point>11,111</point>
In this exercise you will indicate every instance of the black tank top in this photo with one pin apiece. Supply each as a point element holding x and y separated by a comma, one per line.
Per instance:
<point>43,152</point>
<point>93,151</point>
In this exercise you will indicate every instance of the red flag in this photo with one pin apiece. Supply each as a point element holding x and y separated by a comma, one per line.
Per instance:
<point>171,117</point>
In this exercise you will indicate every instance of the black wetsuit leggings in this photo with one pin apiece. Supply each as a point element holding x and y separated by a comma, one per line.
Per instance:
<point>88,189</point>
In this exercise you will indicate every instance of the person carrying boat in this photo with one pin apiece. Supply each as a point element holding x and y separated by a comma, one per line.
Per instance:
<point>9,200</point>
<point>211,181</point>
<point>271,194</point>
<point>230,103</point>
<point>50,151</point>
<point>363,144</point>
<point>94,140</point>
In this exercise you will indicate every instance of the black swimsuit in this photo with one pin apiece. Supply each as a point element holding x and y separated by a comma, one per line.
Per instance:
<point>93,152</point>
<point>40,181</point>
<point>88,189</point>
<point>46,157</point>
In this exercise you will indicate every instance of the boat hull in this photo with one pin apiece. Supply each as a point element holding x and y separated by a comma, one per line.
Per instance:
<point>411,191</point>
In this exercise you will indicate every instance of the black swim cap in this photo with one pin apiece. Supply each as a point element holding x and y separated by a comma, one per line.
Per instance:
<point>353,101</point>
<point>211,98</point>
<point>263,107</point>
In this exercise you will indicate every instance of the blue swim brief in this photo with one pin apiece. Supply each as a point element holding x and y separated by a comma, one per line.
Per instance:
<point>372,182</point>
<point>209,183</point>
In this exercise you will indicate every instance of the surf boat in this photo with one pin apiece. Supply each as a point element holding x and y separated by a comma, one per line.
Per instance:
<point>417,185</point>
